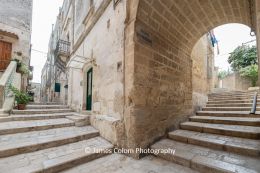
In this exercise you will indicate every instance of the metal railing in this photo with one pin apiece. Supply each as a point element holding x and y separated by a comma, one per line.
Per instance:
<point>62,48</point>
<point>253,109</point>
<point>6,80</point>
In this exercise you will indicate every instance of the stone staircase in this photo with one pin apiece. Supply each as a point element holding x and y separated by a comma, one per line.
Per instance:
<point>222,138</point>
<point>47,138</point>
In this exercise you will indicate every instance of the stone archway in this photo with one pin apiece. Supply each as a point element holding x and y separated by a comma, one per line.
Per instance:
<point>160,35</point>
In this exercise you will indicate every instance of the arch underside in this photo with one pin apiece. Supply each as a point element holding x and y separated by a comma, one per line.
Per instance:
<point>165,34</point>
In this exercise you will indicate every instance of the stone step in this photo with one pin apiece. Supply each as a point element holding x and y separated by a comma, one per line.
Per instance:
<point>206,160</point>
<point>45,103</point>
<point>223,129</point>
<point>19,143</point>
<point>230,105</point>
<point>227,114</point>
<point>229,98</point>
<point>232,101</point>
<point>233,93</point>
<point>236,92</point>
<point>220,142</point>
<point>80,120</point>
<point>41,111</point>
<point>120,163</point>
<point>234,97</point>
<point>228,108</point>
<point>34,117</point>
<point>227,120</point>
<point>26,126</point>
<point>47,107</point>
<point>56,159</point>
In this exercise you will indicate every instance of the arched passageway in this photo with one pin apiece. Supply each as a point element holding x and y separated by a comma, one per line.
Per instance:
<point>160,36</point>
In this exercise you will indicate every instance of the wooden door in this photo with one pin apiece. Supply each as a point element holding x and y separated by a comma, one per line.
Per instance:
<point>5,54</point>
<point>89,89</point>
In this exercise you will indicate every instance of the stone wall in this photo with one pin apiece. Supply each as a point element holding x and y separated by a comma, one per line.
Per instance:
<point>235,82</point>
<point>202,72</point>
<point>36,89</point>
<point>16,18</point>
<point>104,44</point>
<point>165,33</point>
<point>140,52</point>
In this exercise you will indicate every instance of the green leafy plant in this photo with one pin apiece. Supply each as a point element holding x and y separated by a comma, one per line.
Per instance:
<point>21,67</point>
<point>250,72</point>
<point>20,96</point>
<point>222,74</point>
<point>242,57</point>
<point>24,69</point>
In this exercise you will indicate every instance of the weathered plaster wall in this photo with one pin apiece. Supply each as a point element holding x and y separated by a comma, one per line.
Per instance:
<point>104,43</point>
<point>16,17</point>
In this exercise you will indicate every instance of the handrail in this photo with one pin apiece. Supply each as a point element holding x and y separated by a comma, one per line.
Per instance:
<point>6,80</point>
<point>253,109</point>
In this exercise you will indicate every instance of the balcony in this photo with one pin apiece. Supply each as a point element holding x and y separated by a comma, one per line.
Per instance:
<point>62,49</point>
<point>62,53</point>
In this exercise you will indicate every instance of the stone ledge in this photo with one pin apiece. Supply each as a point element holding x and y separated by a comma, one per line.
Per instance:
<point>109,127</point>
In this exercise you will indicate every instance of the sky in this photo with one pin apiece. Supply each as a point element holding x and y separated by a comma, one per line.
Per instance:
<point>44,15</point>
<point>230,36</point>
<point>45,12</point>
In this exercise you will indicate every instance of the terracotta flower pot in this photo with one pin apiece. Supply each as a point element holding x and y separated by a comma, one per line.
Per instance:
<point>21,106</point>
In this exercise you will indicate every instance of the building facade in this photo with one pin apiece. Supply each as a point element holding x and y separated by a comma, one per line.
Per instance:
<point>15,34</point>
<point>130,65</point>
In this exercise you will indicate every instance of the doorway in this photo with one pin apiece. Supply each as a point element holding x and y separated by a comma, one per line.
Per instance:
<point>5,54</point>
<point>89,89</point>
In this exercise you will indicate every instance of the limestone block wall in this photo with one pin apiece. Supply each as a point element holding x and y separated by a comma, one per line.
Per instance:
<point>165,32</point>
<point>235,82</point>
<point>16,17</point>
<point>202,72</point>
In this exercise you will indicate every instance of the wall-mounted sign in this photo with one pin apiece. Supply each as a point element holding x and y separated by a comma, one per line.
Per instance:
<point>144,36</point>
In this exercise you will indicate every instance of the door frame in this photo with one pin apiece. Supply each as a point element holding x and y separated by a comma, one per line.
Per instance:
<point>89,100</point>
<point>10,58</point>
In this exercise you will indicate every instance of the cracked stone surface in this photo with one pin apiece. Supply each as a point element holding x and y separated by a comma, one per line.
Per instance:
<point>38,160</point>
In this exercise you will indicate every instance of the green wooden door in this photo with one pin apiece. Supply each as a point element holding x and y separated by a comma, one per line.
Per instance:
<point>89,89</point>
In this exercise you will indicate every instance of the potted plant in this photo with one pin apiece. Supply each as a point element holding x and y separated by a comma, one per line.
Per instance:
<point>21,67</point>
<point>21,98</point>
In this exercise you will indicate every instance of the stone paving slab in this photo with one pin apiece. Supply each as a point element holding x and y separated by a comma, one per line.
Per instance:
<point>225,143</point>
<point>25,126</point>
<point>250,132</point>
<point>207,160</point>
<point>54,159</point>
<point>227,120</point>
<point>31,141</point>
<point>118,163</point>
